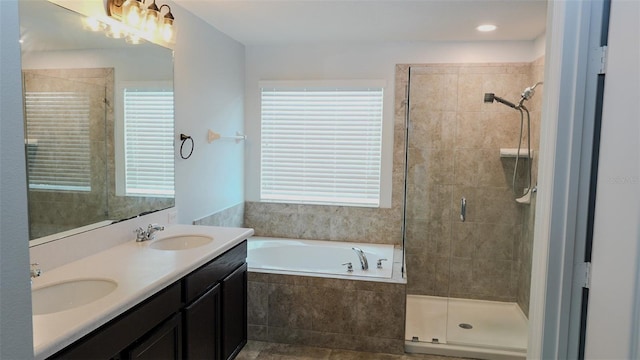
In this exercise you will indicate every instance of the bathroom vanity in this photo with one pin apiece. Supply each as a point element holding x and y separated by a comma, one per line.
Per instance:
<point>176,297</point>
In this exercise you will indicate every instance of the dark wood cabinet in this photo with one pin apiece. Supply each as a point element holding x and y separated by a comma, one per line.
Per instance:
<point>215,318</point>
<point>234,312</point>
<point>201,316</point>
<point>202,326</point>
<point>163,343</point>
<point>111,339</point>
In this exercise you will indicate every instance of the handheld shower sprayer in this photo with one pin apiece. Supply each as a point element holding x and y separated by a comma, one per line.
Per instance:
<point>491,97</point>
<point>526,95</point>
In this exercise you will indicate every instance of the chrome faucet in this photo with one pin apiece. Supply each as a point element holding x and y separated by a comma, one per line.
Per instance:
<point>363,258</point>
<point>149,234</point>
<point>35,271</point>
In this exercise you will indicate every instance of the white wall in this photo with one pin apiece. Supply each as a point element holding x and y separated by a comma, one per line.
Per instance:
<point>612,324</point>
<point>356,61</point>
<point>15,296</point>
<point>209,88</point>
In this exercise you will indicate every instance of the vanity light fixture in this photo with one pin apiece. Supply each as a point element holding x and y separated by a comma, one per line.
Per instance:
<point>151,18</point>
<point>147,19</point>
<point>167,29</point>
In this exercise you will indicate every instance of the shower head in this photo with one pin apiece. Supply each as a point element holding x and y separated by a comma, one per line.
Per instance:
<point>488,97</point>
<point>491,97</point>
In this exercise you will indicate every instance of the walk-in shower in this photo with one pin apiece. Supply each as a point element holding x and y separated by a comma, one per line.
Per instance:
<point>467,240</point>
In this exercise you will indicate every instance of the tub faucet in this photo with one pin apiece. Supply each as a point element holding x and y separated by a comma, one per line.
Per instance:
<point>149,234</point>
<point>363,258</point>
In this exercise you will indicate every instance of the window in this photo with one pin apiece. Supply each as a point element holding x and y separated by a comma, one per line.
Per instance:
<point>321,145</point>
<point>148,141</point>
<point>58,146</point>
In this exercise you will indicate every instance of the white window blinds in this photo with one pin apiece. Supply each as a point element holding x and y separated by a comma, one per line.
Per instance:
<point>58,147</point>
<point>148,137</point>
<point>321,145</point>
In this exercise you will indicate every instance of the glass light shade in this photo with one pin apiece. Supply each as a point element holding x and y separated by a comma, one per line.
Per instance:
<point>168,32</point>
<point>151,19</point>
<point>132,13</point>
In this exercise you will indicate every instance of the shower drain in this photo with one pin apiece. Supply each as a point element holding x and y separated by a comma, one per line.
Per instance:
<point>466,326</point>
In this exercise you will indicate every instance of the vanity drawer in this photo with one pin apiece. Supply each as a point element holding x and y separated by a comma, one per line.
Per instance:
<point>210,274</point>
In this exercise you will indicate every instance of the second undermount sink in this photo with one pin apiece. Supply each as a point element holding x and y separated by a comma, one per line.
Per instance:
<point>181,242</point>
<point>69,294</point>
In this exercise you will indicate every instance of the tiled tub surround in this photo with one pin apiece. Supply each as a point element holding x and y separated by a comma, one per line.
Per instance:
<point>454,146</point>
<point>333,311</point>
<point>139,272</point>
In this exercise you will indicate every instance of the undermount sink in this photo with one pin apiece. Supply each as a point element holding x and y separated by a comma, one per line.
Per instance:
<point>181,242</point>
<point>69,294</point>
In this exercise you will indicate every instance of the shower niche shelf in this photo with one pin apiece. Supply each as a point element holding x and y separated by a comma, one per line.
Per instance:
<point>512,152</point>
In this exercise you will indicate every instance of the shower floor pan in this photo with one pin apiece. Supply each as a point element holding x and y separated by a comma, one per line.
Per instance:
<point>470,328</point>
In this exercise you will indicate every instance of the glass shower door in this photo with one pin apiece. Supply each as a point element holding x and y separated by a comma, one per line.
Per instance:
<point>428,203</point>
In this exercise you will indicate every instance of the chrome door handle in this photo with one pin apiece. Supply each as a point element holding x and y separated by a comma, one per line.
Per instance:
<point>463,209</point>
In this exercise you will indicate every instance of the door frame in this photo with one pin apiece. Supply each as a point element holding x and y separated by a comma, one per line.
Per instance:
<point>566,152</point>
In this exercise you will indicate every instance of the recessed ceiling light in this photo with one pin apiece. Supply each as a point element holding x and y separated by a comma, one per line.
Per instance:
<point>486,28</point>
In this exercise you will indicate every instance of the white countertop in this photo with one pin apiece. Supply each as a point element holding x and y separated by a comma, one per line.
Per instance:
<point>140,272</point>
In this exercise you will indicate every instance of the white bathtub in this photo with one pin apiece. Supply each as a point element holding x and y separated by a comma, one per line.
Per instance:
<point>318,257</point>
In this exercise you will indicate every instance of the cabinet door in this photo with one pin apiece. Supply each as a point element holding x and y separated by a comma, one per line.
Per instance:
<point>234,312</point>
<point>161,343</point>
<point>202,327</point>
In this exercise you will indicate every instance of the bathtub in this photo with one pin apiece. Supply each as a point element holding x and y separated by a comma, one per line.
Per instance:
<point>322,258</point>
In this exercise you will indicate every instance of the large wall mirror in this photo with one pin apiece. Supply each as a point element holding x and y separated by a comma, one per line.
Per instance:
<point>99,124</point>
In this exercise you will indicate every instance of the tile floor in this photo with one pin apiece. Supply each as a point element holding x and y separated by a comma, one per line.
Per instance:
<point>257,350</point>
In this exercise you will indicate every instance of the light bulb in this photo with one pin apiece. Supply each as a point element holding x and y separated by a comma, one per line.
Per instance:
<point>131,13</point>
<point>151,21</point>
<point>167,31</point>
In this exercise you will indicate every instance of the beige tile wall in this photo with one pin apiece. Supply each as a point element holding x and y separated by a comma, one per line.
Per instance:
<point>230,217</point>
<point>367,225</point>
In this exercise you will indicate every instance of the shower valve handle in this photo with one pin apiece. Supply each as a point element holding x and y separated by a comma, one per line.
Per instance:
<point>349,266</point>
<point>380,263</point>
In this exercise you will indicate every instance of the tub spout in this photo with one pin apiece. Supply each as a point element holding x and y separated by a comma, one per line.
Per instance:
<point>363,258</point>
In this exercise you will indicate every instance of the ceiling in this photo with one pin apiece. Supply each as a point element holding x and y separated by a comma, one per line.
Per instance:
<point>272,22</point>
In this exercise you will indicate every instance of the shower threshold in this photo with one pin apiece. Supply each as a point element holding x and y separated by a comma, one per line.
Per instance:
<point>465,328</point>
